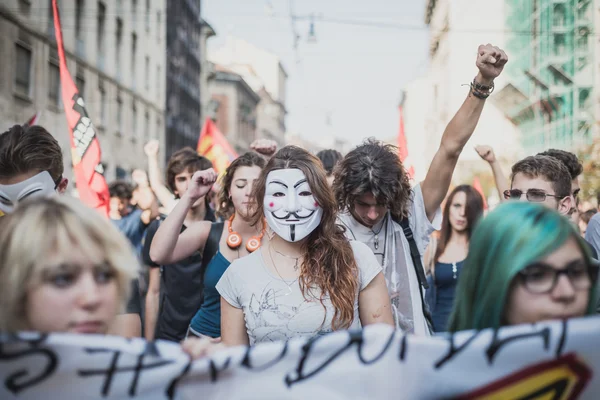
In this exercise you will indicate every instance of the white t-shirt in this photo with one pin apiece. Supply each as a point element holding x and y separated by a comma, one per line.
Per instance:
<point>274,309</point>
<point>422,229</point>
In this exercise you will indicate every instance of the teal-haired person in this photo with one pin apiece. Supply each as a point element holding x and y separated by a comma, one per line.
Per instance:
<point>526,264</point>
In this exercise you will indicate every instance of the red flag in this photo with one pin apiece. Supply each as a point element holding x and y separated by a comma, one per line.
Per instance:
<point>34,120</point>
<point>403,148</point>
<point>477,186</point>
<point>213,145</point>
<point>85,148</point>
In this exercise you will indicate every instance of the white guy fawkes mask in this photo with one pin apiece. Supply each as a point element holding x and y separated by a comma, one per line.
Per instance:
<point>40,185</point>
<point>290,207</point>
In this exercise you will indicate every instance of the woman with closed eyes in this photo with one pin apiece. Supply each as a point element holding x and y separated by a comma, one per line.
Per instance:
<point>63,268</point>
<point>237,237</point>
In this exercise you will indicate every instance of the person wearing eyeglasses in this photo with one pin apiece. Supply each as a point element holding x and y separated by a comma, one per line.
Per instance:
<point>533,265</point>
<point>544,180</point>
<point>575,169</point>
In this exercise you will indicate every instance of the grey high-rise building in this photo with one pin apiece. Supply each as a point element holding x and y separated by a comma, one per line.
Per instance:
<point>183,104</point>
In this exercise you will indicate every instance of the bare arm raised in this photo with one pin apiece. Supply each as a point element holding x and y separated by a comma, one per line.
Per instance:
<point>169,245</point>
<point>502,183</point>
<point>163,194</point>
<point>490,62</point>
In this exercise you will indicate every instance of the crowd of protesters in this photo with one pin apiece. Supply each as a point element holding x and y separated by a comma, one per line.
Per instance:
<point>288,244</point>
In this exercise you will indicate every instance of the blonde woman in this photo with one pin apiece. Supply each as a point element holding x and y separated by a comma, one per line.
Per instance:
<point>63,268</point>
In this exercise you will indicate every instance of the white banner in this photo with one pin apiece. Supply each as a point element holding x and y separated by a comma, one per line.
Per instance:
<point>558,360</point>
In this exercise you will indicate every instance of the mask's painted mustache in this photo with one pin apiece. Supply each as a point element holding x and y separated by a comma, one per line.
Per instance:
<point>288,215</point>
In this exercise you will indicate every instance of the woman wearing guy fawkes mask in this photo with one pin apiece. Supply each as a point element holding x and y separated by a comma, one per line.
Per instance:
<point>307,279</point>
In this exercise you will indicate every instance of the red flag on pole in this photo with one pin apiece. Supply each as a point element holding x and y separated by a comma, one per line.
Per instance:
<point>403,148</point>
<point>85,148</point>
<point>213,145</point>
<point>477,186</point>
<point>34,120</point>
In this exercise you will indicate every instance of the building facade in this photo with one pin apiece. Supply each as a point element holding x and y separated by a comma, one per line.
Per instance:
<point>116,55</point>
<point>457,28</point>
<point>552,73</point>
<point>183,108</point>
<point>235,105</point>
<point>264,73</point>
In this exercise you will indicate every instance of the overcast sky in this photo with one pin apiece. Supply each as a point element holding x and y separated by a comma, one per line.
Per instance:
<point>349,82</point>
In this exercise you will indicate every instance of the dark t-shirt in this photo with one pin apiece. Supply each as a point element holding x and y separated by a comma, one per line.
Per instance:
<point>134,305</point>
<point>180,288</point>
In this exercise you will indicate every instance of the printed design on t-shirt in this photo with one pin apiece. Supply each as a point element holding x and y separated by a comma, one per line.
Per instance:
<point>270,318</point>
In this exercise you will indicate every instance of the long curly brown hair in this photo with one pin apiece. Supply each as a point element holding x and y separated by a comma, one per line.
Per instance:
<point>224,205</point>
<point>329,262</point>
<point>373,167</point>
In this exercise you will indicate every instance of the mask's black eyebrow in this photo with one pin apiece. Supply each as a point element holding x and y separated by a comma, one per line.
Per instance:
<point>279,183</point>
<point>300,182</point>
<point>30,193</point>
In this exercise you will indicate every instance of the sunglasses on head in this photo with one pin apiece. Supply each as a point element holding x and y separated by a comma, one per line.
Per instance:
<point>533,195</point>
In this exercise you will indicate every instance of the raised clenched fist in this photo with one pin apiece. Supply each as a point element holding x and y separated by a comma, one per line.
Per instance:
<point>151,148</point>
<point>490,61</point>
<point>201,183</point>
<point>265,147</point>
<point>486,152</point>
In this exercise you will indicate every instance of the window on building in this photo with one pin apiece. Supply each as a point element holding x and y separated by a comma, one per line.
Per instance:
<point>133,56</point>
<point>80,82</point>
<point>584,99</point>
<point>583,10</point>
<point>134,133</point>
<point>50,28</point>
<point>53,83</point>
<point>559,15</point>
<point>103,116</point>
<point>119,42</point>
<point>79,42</point>
<point>559,44</point>
<point>147,73</point>
<point>119,115</point>
<point>158,127</point>
<point>583,39</point>
<point>23,70</point>
<point>147,16</point>
<point>158,81</point>
<point>79,4</point>
<point>146,126</point>
<point>158,30</point>
<point>100,28</point>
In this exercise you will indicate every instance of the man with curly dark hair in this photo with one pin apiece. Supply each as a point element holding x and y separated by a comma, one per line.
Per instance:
<point>379,208</point>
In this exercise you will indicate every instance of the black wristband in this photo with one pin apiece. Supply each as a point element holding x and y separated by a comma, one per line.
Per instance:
<point>483,88</point>
<point>479,94</point>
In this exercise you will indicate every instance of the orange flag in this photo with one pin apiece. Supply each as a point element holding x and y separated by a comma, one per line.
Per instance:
<point>477,186</point>
<point>213,145</point>
<point>403,148</point>
<point>85,148</point>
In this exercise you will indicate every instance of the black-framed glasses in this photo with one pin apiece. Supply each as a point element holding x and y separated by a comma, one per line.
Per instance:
<point>533,195</point>
<point>540,278</point>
